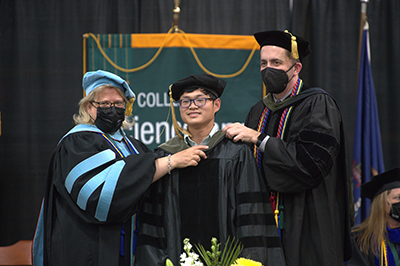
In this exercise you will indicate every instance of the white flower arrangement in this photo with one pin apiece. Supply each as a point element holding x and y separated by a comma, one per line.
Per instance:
<point>189,257</point>
<point>228,257</point>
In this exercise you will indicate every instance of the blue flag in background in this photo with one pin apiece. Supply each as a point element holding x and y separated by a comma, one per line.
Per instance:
<point>367,154</point>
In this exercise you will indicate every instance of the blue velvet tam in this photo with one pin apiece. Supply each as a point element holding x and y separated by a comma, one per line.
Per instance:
<point>94,79</point>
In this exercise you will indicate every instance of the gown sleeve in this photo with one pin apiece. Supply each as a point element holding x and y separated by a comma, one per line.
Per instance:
<point>255,223</point>
<point>309,153</point>
<point>99,185</point>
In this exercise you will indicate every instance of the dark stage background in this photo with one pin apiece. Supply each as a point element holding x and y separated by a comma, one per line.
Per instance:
<point>41,70</point>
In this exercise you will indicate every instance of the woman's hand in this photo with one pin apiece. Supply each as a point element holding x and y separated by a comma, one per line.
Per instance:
<point>182,159</point>
<point>188,157</point>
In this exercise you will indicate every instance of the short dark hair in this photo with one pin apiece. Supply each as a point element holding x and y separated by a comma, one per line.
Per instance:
<point>203,90</point>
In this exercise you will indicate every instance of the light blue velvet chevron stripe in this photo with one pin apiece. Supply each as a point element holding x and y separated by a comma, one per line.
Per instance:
<point>88,165</point>
<point>106,195</point>
<point>109,177</point>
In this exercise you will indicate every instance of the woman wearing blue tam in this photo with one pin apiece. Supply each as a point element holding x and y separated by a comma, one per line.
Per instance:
<point>376,241</point>
<point>96,179</point>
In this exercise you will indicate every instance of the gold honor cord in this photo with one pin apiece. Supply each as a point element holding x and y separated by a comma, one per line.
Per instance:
<point>159,51</point>
<point>383,254</point>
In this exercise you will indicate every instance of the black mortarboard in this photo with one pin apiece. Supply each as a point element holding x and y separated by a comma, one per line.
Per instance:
<point>298,46</point>
<point>380,183</point>
<point>206,81</point>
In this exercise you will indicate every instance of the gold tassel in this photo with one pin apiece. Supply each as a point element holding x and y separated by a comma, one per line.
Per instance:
<point>129,106</point>
<point>177,128</point>
<point>276,212</point>
<point>295,52</point>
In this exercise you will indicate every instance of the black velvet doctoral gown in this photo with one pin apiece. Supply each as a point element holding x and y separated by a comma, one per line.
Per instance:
<point>224,196</point>
<point>308,167</point>
<point>82,219</point>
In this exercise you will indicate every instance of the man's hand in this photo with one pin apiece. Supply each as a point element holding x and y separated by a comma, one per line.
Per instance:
<point>237,131</point>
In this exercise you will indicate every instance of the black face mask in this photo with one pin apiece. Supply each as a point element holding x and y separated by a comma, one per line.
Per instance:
<point>275,80</point>
<point>109,119</point>
<point>395,211</point>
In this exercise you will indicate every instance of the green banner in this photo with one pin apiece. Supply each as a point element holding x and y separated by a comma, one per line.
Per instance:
<point>152,62</point>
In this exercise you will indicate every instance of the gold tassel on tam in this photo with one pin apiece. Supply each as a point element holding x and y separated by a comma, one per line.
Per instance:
<point>295,52</point>
<point>177,128</point>
<point>129,106</point>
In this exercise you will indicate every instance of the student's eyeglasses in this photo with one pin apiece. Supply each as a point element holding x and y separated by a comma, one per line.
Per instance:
<point>107,104</point>
<point>199,102</point>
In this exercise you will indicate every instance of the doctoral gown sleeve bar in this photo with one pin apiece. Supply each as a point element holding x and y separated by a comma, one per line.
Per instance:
<point>97,184</point>
<point>308,152</point>
<point>254,219</point>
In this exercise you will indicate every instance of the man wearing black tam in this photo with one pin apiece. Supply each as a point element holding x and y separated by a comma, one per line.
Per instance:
<point>223,196</point>
<point>299,144</point>
<point>376,241</point>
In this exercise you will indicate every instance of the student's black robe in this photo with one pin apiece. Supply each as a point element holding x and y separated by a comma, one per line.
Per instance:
<point>308,167</point>
<point>82,216</point>
<point>224,196</point>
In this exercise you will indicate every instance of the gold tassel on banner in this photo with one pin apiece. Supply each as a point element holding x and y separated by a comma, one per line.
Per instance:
<point>129,106</point>
<point>177,128</point>
<point>295,52</point>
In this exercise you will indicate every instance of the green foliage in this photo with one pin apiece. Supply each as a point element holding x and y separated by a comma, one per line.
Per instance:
<point>214,257</point>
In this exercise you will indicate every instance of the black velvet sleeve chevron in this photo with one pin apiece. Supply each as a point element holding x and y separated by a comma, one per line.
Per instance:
<point>317,152</point>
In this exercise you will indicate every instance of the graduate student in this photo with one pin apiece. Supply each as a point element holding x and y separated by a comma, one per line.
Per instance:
<point>223,196</point>
<point>299,143</point>
<point>96,179</point>
<point>376,241</point>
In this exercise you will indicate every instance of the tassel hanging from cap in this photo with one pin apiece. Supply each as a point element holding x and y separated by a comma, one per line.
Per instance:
<point>295,52</point>
<point>129,106</point>
<point>177,128</point>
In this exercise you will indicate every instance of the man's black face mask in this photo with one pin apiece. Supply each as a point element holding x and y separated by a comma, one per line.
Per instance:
<point>275,80</point>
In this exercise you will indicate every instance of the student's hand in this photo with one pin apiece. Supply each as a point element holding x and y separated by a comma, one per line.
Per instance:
<point>188,157</point>
<point>237,131</point>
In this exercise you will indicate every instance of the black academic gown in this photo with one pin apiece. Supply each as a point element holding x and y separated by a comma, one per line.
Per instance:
<point>359,258</point>
<point>82,219</point>
<point>224,196</point>
<point>308,168</point>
